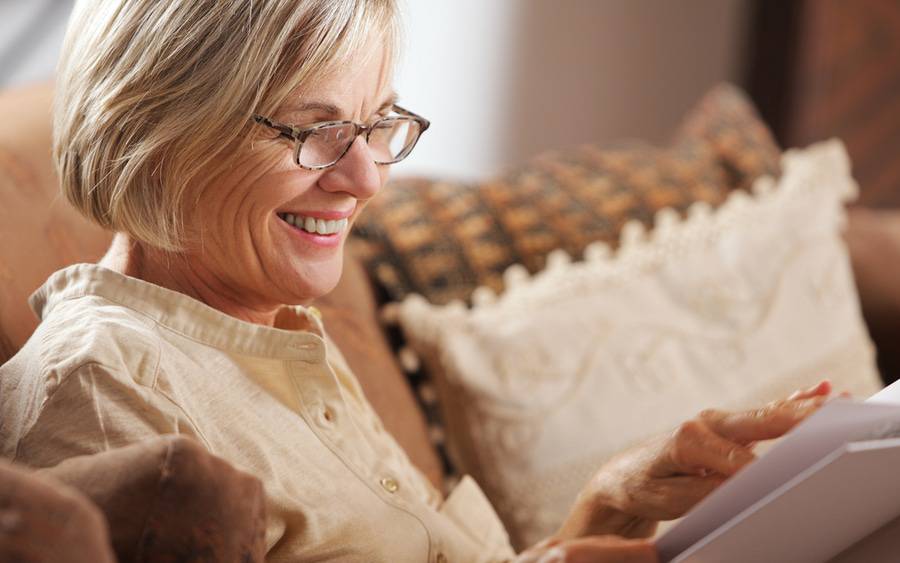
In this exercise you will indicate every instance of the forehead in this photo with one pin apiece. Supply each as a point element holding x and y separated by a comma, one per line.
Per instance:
<point>359,84</point>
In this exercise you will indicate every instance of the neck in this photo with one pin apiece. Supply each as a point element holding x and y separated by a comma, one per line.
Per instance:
<point>178,272</point>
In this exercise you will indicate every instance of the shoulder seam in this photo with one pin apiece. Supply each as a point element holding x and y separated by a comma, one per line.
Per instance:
<point>67,377</point>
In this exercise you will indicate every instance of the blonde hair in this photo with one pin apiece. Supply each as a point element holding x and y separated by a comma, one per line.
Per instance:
<point>149,93</point>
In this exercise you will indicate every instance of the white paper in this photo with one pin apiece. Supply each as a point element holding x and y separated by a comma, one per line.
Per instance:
<point>817,514</point>
<point>837,423</point>
<point>890,394</point>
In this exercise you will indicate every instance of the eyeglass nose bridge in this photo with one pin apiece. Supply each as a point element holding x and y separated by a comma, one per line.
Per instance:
<point>299,137</point>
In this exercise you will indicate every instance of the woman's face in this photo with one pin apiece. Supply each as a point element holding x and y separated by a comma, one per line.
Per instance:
<point>248,246</point>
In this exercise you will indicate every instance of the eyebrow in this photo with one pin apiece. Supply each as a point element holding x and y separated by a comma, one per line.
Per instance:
<point>332,110</point>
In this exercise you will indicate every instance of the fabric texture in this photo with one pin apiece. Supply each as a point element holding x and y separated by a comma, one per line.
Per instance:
<point>116,360</point>
<point>442,239</point>
<point>729,308</point>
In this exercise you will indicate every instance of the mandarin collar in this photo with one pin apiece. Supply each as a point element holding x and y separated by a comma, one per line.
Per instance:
<point>185,315</point>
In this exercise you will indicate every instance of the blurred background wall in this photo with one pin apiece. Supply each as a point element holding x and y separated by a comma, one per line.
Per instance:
<point>502,80</point>
<point>31,33</point>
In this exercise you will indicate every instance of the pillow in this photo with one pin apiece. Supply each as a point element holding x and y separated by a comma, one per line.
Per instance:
<point>442,239</point>
<point>167,498</point>
<point>729,308</point>
<point>44,520</point>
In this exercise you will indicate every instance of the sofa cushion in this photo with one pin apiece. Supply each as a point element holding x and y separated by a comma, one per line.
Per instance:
<point>442,239</point>
<point>728,309</point>
<point>39,231</point>
<point>873,238</point>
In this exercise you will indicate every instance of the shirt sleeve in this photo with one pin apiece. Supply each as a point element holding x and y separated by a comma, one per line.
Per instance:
<point>95,409</point>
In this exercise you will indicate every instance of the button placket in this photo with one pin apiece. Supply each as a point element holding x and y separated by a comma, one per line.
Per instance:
<point>325,411</point>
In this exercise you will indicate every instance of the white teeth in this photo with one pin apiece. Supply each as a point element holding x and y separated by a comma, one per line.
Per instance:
<point>315,226</point>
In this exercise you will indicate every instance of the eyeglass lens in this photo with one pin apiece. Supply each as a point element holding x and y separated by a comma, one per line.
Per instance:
<point>390,140</point>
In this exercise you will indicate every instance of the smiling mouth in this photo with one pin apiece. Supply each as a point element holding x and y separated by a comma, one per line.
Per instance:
<point>315,226</point>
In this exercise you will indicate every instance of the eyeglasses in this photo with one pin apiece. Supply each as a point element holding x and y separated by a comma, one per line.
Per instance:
<point>390,139</point>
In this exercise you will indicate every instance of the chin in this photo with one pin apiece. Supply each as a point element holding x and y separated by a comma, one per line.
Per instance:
<point>315,282</point>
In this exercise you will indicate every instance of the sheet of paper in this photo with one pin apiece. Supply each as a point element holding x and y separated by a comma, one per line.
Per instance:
<point>890,394</point>
<point>837,423</point>
<point>817,514</point>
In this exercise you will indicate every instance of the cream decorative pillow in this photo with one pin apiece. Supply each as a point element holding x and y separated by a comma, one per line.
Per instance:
<point>729,308</point>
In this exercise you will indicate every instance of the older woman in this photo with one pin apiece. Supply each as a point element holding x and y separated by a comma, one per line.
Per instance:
<point>231,145</point>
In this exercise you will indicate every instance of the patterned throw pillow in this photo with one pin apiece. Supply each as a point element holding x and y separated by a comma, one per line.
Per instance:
<point>444,239</point>
<point>729,308</point>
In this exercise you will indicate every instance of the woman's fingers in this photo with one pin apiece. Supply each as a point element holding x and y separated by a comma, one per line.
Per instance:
<point>766,423</point>
<point>592,549</point>
<point>822,388</point>
<point>695,448</point>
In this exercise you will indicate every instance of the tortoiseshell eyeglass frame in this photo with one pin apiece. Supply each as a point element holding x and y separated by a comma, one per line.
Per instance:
<point>299,134</point>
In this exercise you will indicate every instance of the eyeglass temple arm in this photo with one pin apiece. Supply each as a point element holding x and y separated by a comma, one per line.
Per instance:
<point>286,130</point>
<point>425,123</point>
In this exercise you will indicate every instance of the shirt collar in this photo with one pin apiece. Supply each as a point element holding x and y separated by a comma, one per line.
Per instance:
<point>186,315</point>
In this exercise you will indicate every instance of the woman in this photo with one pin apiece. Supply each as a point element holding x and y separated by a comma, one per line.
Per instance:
<point>231,145</point>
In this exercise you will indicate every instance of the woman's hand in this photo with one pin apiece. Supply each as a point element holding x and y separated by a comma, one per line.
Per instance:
<point>663,479</point>
<point>595,549</point>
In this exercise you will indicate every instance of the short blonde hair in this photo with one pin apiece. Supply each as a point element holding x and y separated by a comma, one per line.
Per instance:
<point>149,93</point>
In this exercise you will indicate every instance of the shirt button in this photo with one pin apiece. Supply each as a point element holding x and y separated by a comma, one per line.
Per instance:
<point>390,485</point>
<point>441,558</point>
<point>327,415</point>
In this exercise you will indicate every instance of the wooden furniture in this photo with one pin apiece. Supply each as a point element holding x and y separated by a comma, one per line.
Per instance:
<point>831,68</point>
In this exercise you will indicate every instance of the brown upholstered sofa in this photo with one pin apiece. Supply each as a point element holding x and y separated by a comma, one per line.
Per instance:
<point>40,233</point>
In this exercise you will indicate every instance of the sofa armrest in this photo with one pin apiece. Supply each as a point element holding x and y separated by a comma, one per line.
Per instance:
<point>168,499</point>
<point>873,238</point>
<point>44,521</point>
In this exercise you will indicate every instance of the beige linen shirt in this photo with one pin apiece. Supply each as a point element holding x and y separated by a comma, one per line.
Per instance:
<point>116,360</point>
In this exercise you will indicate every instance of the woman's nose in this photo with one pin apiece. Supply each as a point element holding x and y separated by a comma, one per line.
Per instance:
<point>356,173</point>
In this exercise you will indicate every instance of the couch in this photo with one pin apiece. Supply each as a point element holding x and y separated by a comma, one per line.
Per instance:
<point>40,233</point>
